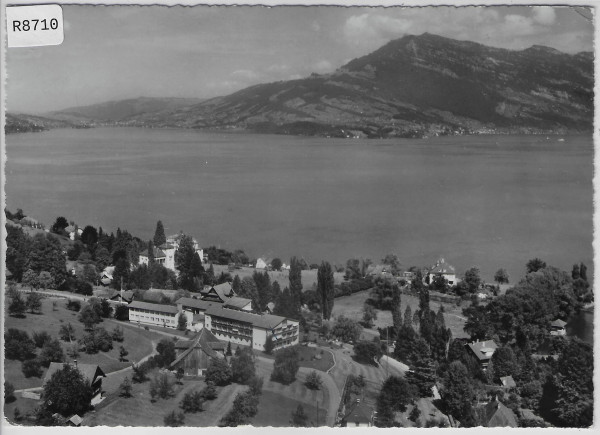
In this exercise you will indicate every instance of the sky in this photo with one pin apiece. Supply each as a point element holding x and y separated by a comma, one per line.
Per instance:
<point>118,52</point>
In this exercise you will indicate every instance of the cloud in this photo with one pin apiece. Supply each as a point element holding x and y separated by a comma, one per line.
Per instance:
<point>544,15</point>
<point>245,74</point>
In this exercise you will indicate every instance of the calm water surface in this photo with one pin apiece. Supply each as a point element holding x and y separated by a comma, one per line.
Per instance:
<point>489,202</point>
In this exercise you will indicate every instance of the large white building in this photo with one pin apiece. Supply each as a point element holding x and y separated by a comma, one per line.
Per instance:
<point>165,253</point>
<point>167,316</point>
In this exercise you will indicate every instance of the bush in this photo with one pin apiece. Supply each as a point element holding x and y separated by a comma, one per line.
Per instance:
<point>161,386</point>
<point>174,419</point>
<point>67,332</point>
<point>9,392</point>
<point>286,365</point>
<point>313,381</point>
<point>210,391</point>
<point>125,388</point>
<point>73,305</point>
<point>32,368</point>
<point>84,288</point>
<point>192,402</point>
<point>117,334</point>
<point>139,374</point>
<point>40,338</point>
<point>51,352</point>
<point>122,313</point>
<point>218,372</point>
<point>18,345</point>
<point>368,352</point>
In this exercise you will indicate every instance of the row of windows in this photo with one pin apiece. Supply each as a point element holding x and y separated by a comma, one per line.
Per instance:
<point>157,319</point>
<point>156,313</point>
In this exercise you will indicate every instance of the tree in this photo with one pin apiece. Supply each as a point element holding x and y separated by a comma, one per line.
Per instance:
<point>192,402</point>
<point>159,234</point>
<point>583,272</point>
<point>182,321</point>
<point>41,338</point>
<point>353,269</point>
<point>501,276</point>
<point>9,392</point>
<point>228,351</point>
<point>184,262</point>
<point>139,374</point>
<point>472,279</point>
<point>286,365</point>
<point>236,284</point>
<point>125,388</point>
<point>174,419</point>
<point>102,257</point>
<point>218,372</point>
<point>89,236</point>
<point>121,274</point>
<point>325,288</point>
<point>276,263</point>
<point>263,289</point>
<point>166,352</point>
<point>248,290</point>
<point>457,391</point>
<point>295,277</point>
<point>368,352</point>
<point>67,332</point>
<point>534,265</point>
<point>209,392</point>
<point>397,309</point>
<point>504,363</point>
<point>89,316</point>
<point>18,345</point>
<point>422,374</point>
<point>67,392</point>
<point>395,395</point>
<point>122,354</point>
<point>242,366</point>
<point>122,312</point>
<point>117,334</point>
<point>47,255</point>
<point>313,381</point>
<point>51,352</point>
<point>17,306</point>
<point>393,261</point>
<point>299,418</point>
<point>162,386</point>
<point>31,279</point>
<point>18,247</point>
<point>59,225</point>
<point>369,314</point>
<point>269,345</point>
<point>346,329</point>
<point>32,368</point>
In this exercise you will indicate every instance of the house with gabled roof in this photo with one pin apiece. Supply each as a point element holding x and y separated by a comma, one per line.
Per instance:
<point>557,327</point>
<point>91,372</point>
<point>483,351</point>
<point>194,355</point>
<point>508,382</point>
<point>159,256</point>
<point>496,414</point>
<point>218,293</point>
<point>262,264</point>
<point>441,268</point>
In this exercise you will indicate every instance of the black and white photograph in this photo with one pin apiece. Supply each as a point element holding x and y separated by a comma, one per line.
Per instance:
<point>307,216</point>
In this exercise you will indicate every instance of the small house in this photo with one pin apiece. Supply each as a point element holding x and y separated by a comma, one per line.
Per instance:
<point>483,351</point>
<point>91,372</point>
<point>557,327</point>
<point>496,414</point>
<point>218,293</point>
<point>125,296</point>
<point>193,356</point>
<point>508,382</point>
<point>262,264</point>
<point>444,269</point>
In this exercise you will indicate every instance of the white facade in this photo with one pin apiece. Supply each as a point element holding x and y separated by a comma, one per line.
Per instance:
<point>165,316</point>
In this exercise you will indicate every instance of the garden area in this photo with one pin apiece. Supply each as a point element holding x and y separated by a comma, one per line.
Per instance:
<point>309,357</point>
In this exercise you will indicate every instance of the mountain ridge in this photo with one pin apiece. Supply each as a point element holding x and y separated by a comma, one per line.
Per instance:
<point>413,86</point>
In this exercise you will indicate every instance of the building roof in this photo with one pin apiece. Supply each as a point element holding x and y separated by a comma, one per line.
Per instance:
<point>498,415</point>
<point>558,323</point>
<point>483,350</point>
<point>508,381</point>
<point>89,371</point>
<point>442,267</point>
<point>157,253</point>
<point>264,321</point>
<point>70,229</point>
<point>377,269</point>
<point>166,246</point>
<point>75,419</point>
<point>223,291</point>
<point>360,414</point>
<point>154,307</point>
<point>197,303</point>
<point>203,341</point>
<point>271,306</point>
<point>237,302</point>
<point>127,294</point>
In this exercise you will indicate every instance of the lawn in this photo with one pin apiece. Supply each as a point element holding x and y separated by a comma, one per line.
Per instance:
<point>352,307</point>
<point>275,409</point>
<point>137,341</point>
<point>139,410</point>
<point>310,357</point>
<point>309,277</point>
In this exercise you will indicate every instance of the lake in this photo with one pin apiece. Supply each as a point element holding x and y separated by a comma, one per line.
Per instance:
<point>486,201</point>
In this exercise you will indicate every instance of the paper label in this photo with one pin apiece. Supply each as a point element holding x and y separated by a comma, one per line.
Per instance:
<point>32,26</point>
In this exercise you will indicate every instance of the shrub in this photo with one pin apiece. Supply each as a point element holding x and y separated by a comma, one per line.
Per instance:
<point>40,338</point>
<point>9,392</point>
<point>139,374</point>
<point>117,334</point>
<point>313,381</point>
<point>51,352</point>
<point>218,372</point>
<point>18,345</point>
<point>67,332</point>
<point>286,365</point>
<point>162,386</point>
<point>32,368</point>
<point>122,313</point>
<point>73,305</point>
<point>125,388</point>
<point>174,419</point>
<point>210,391</point>
<point>192,402</point>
